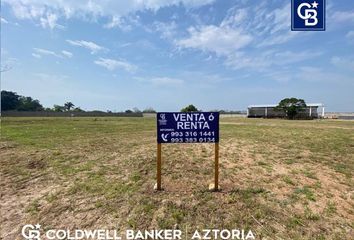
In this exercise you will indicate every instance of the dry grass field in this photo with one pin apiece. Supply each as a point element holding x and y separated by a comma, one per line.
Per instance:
<point>281,179</point>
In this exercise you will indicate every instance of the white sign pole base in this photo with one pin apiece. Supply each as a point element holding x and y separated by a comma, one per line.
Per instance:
<point>212,187</point>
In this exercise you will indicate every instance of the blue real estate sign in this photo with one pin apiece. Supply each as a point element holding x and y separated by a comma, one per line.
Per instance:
<point>194,127</point>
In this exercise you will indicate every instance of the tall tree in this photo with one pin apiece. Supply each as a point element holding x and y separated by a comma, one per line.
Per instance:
<point>136,110</point>
<point>291,106</point>
<point>149,110</point>
<point>58,108</point>
<point>9,100</point>
<point>78,109</point>
<point>68,106</point>
<point>29,104</point>
<point>189,108</point>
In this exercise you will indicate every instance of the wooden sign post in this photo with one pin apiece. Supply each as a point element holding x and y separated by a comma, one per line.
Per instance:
<point>216,164</point>
<point>194,127</point>
<point>158,177</point>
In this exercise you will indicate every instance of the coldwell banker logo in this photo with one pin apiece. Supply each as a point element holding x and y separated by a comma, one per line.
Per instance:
<point>308,15</point>
<point>31,232</point>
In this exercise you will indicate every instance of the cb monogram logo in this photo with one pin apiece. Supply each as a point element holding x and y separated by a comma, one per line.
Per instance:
<point>308,15</point>
<point>31,232</point>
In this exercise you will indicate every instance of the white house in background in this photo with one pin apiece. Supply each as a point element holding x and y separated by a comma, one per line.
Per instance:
<point>268,111</point>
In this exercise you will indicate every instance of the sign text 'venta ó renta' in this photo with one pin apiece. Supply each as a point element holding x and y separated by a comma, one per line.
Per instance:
<point>194,127</point>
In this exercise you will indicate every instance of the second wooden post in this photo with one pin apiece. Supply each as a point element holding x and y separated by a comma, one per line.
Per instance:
<point>158,176</point>
<point>216,179</point>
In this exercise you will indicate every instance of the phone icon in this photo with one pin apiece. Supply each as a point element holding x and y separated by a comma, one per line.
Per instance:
<point>164,137</point>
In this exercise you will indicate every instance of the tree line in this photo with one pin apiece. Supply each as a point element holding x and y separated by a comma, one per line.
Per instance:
<point>11,101</point>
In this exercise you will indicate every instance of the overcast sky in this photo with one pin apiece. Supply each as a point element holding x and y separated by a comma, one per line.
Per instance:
<point>166,54</point>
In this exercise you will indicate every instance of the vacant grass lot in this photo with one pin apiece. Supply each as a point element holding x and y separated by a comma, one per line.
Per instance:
<point>281,179</point>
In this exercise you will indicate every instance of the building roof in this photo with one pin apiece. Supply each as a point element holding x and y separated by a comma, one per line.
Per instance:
<point>274,105</point>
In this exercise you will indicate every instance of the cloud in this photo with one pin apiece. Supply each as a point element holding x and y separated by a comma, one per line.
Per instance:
<point>161,81</point>
<point>265,59</point>
<point>48,12</point>
<point>167,30</point>
<point>316,74</point>
<point>202,79</point>
<point>343,62</point>
<point>93,47</point>
<point>220,40</point>
<point>166,81</point>
<point>36,55</point>
<point>7,61</point>
<point>39,52</point>
<point>3,20</point>
<point>44,77</point>
<point>306,74</point>
<point>235,17</point>
<point>50,21</point>
<point>260,25</point>
<point>116,21</point>
<point>266,25</point>
<point>278,39</point>
<point>121,23</point>
<point>343,16</point>
<point>67,54</point>
<point>112,64</point>
<point>244,37</point>
<point>350,35</point>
